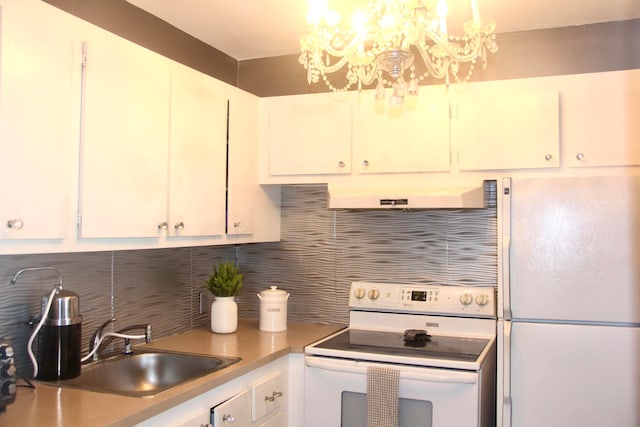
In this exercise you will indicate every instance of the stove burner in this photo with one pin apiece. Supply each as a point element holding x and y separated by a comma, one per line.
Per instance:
<point>416,337</point>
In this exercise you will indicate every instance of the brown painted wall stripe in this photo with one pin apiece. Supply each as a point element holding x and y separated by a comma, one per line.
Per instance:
<point>571,50</point>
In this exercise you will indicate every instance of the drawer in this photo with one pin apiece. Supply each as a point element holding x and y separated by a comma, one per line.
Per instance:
<point>267,396</point>
<point>276,420</point>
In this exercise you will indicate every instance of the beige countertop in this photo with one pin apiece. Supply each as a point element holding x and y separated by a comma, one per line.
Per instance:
<point>60,406</point>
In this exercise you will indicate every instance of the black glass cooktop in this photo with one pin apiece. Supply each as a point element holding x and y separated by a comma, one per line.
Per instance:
<point>393,343</point>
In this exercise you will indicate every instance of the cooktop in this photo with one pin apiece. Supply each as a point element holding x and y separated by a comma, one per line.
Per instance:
<point>394,344</point>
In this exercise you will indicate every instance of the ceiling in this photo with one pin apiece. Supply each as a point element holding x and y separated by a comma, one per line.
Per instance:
<point>247,29</point>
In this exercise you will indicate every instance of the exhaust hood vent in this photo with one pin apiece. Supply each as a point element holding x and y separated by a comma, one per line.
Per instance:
<point>409,198</point>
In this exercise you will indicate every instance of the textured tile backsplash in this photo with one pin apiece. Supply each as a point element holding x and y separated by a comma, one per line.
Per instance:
<point>321,252</point>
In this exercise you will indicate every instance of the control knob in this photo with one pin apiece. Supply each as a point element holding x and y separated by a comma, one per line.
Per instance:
<point>466,299</point>
<point>359,293</point>
<point>374,294</point>
<point>482,299</point>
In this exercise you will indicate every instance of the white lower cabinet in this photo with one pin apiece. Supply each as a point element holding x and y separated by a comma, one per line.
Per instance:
<point>233,411</point>
<point>260,398</point>
<point>268,398</point>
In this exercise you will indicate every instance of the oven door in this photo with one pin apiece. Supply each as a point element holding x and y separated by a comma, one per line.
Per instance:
<point>336,394</point>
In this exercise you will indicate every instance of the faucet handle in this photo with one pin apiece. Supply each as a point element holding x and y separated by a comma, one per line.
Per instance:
<point>147,334</point>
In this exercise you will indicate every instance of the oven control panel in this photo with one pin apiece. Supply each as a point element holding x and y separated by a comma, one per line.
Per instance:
<point>440,299</point>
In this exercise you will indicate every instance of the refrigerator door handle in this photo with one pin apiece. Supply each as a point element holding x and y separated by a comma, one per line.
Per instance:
<point>504,386</point>
<point>505,226</point>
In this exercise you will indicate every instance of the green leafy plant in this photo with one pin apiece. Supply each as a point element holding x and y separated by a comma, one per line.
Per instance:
<point>226,280</point>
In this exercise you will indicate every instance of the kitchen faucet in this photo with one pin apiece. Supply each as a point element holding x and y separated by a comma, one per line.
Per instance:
<point>100,339</point>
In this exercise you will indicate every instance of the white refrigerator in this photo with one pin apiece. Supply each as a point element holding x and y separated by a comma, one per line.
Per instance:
<point>569,310</point>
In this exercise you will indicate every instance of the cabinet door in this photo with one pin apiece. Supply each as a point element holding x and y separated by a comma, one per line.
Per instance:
<point>253,211</point>
<point>601,123</point>
<point>234,412</point>
<point>197,160</point>
<point>414,138</point>
<point>309,134</point>
<point>38,90</point>
<point>498,127</point>
<point>243,190</point>
<point>125,147</point>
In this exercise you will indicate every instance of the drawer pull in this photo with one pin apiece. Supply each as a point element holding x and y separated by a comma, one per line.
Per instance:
<point>15,224</point>
<point>273,396</point>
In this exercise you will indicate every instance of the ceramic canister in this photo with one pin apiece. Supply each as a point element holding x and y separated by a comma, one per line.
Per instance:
<point>273,309</point>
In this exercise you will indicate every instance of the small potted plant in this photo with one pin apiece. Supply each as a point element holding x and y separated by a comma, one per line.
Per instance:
<point>225,284</point>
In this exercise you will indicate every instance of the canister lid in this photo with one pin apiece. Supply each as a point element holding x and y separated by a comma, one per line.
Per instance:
<point>274,293</point>
<point>65,309</point>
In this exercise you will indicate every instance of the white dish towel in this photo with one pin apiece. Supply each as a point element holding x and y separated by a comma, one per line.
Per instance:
<point>382,397</point>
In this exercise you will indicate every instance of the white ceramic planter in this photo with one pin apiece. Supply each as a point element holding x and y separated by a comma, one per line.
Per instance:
<point>224,315</point>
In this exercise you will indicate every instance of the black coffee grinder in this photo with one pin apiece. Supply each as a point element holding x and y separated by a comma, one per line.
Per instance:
<point>59,333</point>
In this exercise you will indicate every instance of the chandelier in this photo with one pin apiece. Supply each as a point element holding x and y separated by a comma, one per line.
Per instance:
<point>384,41</point>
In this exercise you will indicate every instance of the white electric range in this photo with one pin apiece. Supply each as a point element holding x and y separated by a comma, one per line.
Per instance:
<point>441,339</point>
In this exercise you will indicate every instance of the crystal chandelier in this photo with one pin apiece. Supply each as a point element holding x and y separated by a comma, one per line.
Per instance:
<point>384,40</point>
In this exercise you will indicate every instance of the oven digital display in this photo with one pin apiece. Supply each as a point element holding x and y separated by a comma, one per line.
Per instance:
<point>418,295</point>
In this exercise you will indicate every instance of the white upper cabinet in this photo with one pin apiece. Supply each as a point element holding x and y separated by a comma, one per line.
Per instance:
<point>125,146</point>
<point>253,211</point>
<point>197,156</point>
<point>413,138</point>
<point>154,146</point>
<point>601,119</point>
<point>242,172</point>
<point>39,87</point>
<point>309,135</point>
<point>497,125</point>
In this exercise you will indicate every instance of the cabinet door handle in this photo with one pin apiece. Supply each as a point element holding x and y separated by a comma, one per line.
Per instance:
<point>273,396</point>
<point>548,157</point>
<point>365,163</point>
<point>164,225</point>
<point>179,225</point>
<point>341,164</point>
<point>580,156</point>
<point>15,224</point>
<point>228,418</point>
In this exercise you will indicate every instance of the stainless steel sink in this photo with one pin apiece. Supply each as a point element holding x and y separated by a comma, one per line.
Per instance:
<point>146,372</point>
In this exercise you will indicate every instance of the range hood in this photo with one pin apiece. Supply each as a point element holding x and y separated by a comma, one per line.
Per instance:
<point>406,198</point>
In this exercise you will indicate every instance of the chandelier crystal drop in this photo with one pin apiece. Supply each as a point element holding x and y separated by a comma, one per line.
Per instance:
<point>390,39</point>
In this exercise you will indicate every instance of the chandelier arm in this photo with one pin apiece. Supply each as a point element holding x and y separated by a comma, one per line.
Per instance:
<point>443,43</point>
<point>368,77</point>
<point>325,38</point>
<point>330,68</point>
<point>433,69</point>
<point>374,35</point>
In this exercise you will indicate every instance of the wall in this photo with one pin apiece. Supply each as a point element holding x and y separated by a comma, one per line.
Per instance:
<point>321,252</point>
<point>571,50</point>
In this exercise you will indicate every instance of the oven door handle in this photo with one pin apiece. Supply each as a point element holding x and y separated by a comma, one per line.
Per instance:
<point>406,373</point>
